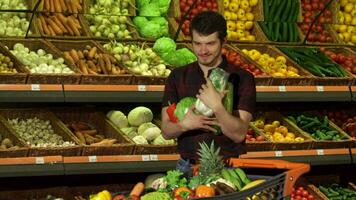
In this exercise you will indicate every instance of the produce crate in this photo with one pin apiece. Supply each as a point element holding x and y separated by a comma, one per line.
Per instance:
<point>259,80</point>
<point>315,80</point>
<point>173,10</point>
<point>252,146</point>
<point>5,132</point>
<point>288,145</point>
<point>61,46</point>
<point>104,127</point>
<point>324,180</point>
<point>130,26</point>
<point>13,78</point>
<point>304,79</point>
<point>39,78</point>
<point>58,127</point>
<point>280,177</point>
<point>51,11</point>
<point>325,144</point>
<point>140,79</point>
<point>330,30</point>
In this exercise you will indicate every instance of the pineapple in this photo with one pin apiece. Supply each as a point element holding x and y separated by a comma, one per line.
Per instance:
<point>211,163</point>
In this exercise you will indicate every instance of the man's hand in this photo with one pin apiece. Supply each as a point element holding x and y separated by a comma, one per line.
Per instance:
<point>210,97</point>
<point>193,121</point>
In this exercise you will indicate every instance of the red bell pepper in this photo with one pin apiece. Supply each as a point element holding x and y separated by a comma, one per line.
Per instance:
<point>170,111</point>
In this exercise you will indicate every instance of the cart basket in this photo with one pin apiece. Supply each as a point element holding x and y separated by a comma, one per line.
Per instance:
<point>279,176</point>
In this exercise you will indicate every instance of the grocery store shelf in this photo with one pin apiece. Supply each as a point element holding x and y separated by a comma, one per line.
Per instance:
<point>313,156</point>
<point>154,93</point>
<point>113,93</point>
<point>353,93</point>
<point>31,93</point>
<point>31,166</point>
<point>353,154</point>
<point>302,93</point>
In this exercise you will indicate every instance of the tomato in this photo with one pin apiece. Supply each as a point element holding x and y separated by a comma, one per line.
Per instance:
<point>307,20</point>
<point>303,198</point>
<point>299,192</point>
<point>307,7</point>
<point>298,197</point>
<point>315,6</point>
<point>310,197</point>
<point>305,193</point>
<point>321,6</point>
<point>348,63</point>
<point>321,20</point>
<point>322,38</point>
<point>333,56</point>
<point>260,138</point>
<point>341,58</point>
<point>301,188</point>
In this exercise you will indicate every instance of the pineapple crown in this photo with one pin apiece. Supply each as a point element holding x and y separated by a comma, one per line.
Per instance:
<point>210,160</point>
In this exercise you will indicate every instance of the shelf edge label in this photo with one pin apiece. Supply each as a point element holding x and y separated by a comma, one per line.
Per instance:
<point>320,152</point>
<point>35,87</point>
<point>141,88</point>
<point>278,153</point>
<point>39,160</point>
<point>92,159</point>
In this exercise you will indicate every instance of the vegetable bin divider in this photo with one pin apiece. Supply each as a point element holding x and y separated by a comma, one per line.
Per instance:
<point>13,78</point>
<point>94,79</point>
<point>57,126</point>
<point>264,80</point>
<point>305,77</point>
<point>6,132</point>
<point>44,78</point>
<point>103,126</point>
<point>288,145</point>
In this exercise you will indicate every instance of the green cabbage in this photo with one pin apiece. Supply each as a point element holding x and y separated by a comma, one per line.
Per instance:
<point>145,126</point>
<point>179,57</point>
<point>139,139</point>
<point>161,141</point>
<point>157,196</point>
<point>163,6</point>
<point>182,107</point>
<point>164,45</point>
<point>150,10</point>
<point>139,115</point>
<point>151,133</point>
<point>141,3</point>
<point>118,118</point>
<point>139,21</point>
<point>131,132</point>
<point>218,78</point>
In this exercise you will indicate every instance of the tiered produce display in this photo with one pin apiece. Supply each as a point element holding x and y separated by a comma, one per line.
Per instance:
<point>127,42</point>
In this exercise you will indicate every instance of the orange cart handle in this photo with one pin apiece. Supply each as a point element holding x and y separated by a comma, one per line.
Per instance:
<point>295,170</point>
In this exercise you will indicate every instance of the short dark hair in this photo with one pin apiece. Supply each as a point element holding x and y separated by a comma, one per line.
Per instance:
<point>209,22</point>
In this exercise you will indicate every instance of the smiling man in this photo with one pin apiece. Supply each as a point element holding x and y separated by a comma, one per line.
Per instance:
<point>208,32</point>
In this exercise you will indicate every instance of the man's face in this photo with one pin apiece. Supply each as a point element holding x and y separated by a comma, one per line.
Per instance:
<point>207,48</point>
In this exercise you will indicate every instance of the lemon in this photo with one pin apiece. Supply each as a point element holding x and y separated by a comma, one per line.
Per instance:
<point>291,135</point>
<point>240,25</point>
<point>343,3</point>
<point>341,36</point>
<point>353,38</point>
<point>253,2</point>
<point>347,36</point>
<point>244,4</point>
<point>240,33</point>
<point>245,51</point>
<point>292,69</point>
<point>341,17</point>
<point>342,28</point>
<point>348,18</point>
<point>281,59</point>
<point>227,15</point>
<point>348,7</point>
<point>353,12</point>
<point>243,39</point>
<point>250,16</point>
<point>353,21</point>
<point>248,25</point>
<point>251,38</point>
<point>350,29</point>
<point>276,123</point>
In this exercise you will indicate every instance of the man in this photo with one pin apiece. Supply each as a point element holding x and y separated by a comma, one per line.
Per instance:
<point>208,33</point>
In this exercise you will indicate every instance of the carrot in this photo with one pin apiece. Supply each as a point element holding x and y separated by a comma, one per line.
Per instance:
<point>80,54</point>
<point>54,26</point>
<point>107,62</point>
<point>92,52</point>
<point>77,5</point>
<point>44,25</point>
<point>63,5</point>
<point>80,136</point>
<point>39,25</point>
<point>89,139</point>
<point>76,21</point>
<point>102,65</point>
<point>73,27</point>
<point>51,3</point>
<point>83,67</point>
<point>69,6</point>
<point>52,32</point>
<point>68,57</point>
<point>57,6</point>
<point>74,55</point>
<point>70,32</point>
<point>74,7</point>
<point>59,23</point>
<point>137,190</point>
<point>46,5</point>
<point>92,66</point>
<point>90,132</point>
<point>90,71</point>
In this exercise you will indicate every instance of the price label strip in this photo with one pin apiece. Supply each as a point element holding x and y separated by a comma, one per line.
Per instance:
<point>146,158</point>
<point>320,88</point>
<point>320,152</point>
<point>35,87</point>
<point>142,88</point>
<point>39,160</point>
<point>153,157</point>
<point>92,159</point>
<point>278,153</point>
<point>282,88</point>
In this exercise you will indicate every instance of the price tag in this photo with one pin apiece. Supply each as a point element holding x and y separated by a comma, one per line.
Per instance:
<point>35,87</point>
<point>142,88</point>
<point>92,159</point>
<point>278,153</point>
<point>320,152</point>
<point>320,88</point>
<point>40,160</point>
<point>146,158</point>
<point>282,88</point>
<point>154,157</point>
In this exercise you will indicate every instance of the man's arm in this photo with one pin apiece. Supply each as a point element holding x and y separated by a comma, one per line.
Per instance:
<point>234,127</point>
<point>191,121</point>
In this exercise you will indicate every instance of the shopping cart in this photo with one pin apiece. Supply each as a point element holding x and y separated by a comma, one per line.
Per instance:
<point>280,177</point>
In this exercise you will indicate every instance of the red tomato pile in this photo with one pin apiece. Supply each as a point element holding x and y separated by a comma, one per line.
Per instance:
<point>202,5</point>
<point>251,136</point>
<point>344,120</point>
<point>234,57</point>
<point>310,9</point>
<point>347,61</point>
<point>301,194</point>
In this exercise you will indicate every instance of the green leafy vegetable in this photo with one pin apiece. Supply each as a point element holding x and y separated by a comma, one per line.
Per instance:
<point>182,107</point>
